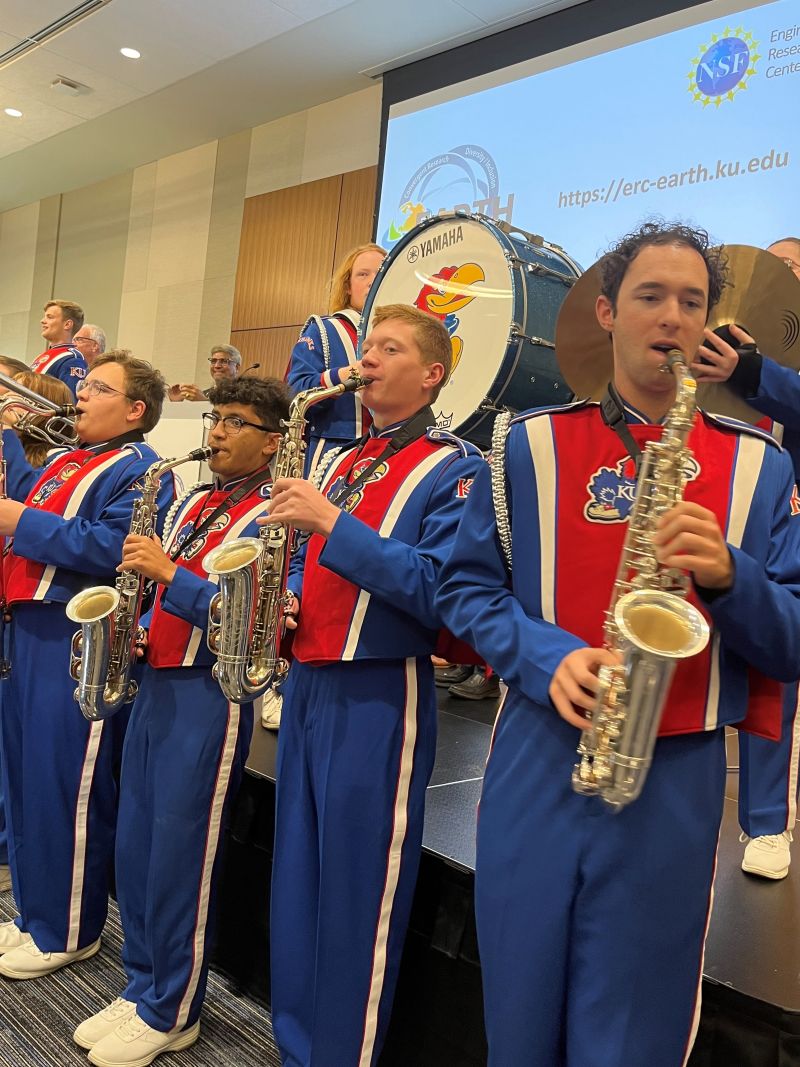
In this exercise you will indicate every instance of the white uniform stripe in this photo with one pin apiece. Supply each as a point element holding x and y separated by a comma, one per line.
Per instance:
<point>212,842</point>
<point>79,844</point>
<point>71,510</point>
<point>698,996</point>
<point>399,827</point>
<point>540,442</point>
<point>794,762</point>
<point>352,357</point>
<point>748,463</point>
<point>410,483</point>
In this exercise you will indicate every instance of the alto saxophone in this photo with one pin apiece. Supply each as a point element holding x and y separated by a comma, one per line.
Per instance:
<point>246,618</point>
<point>104,649</point>
<point>649,622</point>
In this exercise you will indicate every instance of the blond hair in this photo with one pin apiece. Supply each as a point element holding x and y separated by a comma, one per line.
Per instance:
<point>431,336</point>
<point>340,283</point>
<point>51,389</point>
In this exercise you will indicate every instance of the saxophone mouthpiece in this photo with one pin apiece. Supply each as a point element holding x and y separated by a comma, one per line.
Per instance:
<point>201,453</point>
<point>356,381</point>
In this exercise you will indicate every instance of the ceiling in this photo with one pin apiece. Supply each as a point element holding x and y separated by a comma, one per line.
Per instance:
<point>206,70</point>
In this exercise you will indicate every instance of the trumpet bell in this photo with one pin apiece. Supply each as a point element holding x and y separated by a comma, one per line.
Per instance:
<point>92,605</point>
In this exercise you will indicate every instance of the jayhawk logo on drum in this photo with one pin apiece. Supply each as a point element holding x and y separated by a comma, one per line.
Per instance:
<point>196,543</point>
<point>352,501</point>
<point>612,490</point>
<point>446,292</point>
<point>45,491</point>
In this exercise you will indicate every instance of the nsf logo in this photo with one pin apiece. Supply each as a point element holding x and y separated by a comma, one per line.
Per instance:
<point>723,67</point>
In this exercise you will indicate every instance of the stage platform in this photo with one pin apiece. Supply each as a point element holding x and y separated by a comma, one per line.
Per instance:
<point>751,1010</point>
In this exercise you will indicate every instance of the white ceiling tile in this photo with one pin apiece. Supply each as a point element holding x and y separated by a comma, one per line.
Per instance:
<point>23,17</point>
<point>10,139</point>
<point>31,78</point>
<point>313,9</point>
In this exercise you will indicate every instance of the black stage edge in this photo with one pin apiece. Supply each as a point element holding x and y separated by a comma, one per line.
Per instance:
<point>751,986</point>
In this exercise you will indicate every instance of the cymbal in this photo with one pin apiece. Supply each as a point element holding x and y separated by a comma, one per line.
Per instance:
<point>763,297</point>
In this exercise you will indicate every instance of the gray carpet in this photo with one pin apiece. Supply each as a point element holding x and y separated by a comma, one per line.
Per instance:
<point>37,1017</point>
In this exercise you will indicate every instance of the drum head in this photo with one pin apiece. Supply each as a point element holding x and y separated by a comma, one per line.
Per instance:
<point>454,267</point>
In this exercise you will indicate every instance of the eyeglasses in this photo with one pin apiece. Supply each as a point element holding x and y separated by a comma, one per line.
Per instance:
<point>222,362</point>
<point>93,387</point>
<point>231,424</point>
<point>85,341</point>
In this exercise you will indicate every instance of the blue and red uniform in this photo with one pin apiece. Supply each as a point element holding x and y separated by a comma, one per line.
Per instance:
<point>592,924</point>
<point>326,345</point>
<point>58,768</point>
<point>768,772</point>
<point>184,756</point>
<point>356,746</point>
<point>64,362</point>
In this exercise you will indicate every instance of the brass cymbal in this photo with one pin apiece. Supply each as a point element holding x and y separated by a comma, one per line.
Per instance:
<point>763,297</point>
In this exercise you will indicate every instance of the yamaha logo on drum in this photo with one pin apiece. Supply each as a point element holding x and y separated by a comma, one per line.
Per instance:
<point>429,246</point>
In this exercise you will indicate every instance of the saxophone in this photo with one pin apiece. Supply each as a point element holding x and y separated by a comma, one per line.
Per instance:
<point>246,617</point>
<point>649,622</point>
<point>104,649</point>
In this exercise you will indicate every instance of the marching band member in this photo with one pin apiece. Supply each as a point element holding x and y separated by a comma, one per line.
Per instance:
<point>68,522</point>
<point>357,741</point>
<point>185,747</point>
<point>768,772</point>
<point>325,354</point>
<point>592,923</point>
<point>62,358</point>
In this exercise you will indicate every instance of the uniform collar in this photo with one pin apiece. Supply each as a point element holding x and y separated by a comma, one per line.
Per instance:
<point>233,483</point>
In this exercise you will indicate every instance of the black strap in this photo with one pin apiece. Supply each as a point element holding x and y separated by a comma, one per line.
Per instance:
<point>411,430</point>
<point>613,412</point>
<point>239,493</point>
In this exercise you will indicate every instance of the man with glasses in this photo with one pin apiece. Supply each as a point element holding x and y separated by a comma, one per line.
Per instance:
<point>225,364</point>
<point>768,772</point>
<point>186,745</point>
<point>90,340</point>
<point>62,358</point>
<point>68,521</point>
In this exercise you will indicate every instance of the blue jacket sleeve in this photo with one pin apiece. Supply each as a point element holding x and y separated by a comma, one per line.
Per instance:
<point>404,575</point>
<point>759,616</point>
<point>307,364</point>
<point>70,371</point>
<point>189,597</point>
<point>477,604</point>
<point>778,393</point>
<point>87,545</point>
<point>20,475</point>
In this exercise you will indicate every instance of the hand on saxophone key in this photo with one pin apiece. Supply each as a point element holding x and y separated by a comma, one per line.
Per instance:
<point>146,556</point>
<point>575,683</point>
<point>688,537</point>
<point>296,502</point>
<point>347,372</point>
<point>290,613</point>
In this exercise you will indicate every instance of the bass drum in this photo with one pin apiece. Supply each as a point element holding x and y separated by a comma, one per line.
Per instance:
<point>499,296</point>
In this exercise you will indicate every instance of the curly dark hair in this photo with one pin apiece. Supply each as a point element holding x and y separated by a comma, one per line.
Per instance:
<point>619,257</point>
<point>269,397</point>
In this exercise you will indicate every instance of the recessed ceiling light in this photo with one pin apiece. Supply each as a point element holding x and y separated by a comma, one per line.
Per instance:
<point>13,112</point>
<point>131,53</point>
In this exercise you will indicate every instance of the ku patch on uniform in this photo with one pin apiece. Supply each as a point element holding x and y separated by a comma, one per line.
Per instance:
<point>463,487</point>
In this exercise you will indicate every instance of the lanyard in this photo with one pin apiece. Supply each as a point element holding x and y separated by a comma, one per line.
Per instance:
<point>239,493</point>
<point>613,413</point>
<point>409,432</point>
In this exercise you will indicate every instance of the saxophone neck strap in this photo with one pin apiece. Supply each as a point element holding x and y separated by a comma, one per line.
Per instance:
<point>256,479</point>
<point>613,413</point>
<point>411,430</point>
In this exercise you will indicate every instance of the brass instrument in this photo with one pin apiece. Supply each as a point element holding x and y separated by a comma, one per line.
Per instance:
<point>649,622</point>
<point>246,617</point>
<point>104,649</point>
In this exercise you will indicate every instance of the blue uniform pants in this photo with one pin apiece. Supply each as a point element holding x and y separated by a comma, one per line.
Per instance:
<point>768,779</point>
<point>182,764</point>
<point>591,924</point>
<point>61,794</point>
<point>355,752</point>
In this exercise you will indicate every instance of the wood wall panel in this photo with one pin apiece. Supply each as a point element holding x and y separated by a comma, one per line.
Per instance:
<point>356,211</point>
<point>271,348</point>
<point>285,256</point>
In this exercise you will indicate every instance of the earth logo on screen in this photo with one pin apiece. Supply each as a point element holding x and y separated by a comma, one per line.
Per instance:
<point>723,67</point>
<point>464,178</point>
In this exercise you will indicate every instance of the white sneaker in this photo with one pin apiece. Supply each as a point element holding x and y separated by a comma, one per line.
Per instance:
<point>12,937</point>
<point>271,710</point>
<point>768,856</point>
<point>28,961</point>
<point>104,1022</point>
<point>5,877</point>
<point>135,1044</point>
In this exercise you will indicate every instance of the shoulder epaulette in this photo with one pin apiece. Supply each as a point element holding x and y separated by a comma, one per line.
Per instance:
<point>559,409</point>
<point>444,437</point>
<point>724,422</point>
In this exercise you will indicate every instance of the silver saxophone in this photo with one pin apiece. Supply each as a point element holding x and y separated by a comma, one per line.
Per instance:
<point>246,619</point>
<point>104,649</point>
<point>649,622</point>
